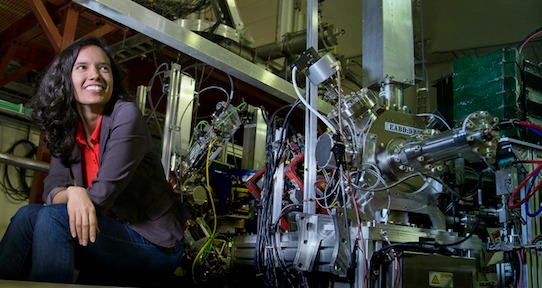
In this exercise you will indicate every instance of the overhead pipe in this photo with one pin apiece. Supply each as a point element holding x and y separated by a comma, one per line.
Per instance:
<point>295,43</point>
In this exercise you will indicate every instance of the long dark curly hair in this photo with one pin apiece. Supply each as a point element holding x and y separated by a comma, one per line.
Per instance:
<point>53,104</point>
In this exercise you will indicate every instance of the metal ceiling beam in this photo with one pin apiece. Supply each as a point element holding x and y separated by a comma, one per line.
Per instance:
<point>147,22</point>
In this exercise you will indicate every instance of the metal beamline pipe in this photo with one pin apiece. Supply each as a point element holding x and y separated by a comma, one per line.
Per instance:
<point>24,162</point>
<point>292,44</point>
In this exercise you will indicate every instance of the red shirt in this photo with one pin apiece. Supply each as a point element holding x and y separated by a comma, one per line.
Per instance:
<point>90,155</point>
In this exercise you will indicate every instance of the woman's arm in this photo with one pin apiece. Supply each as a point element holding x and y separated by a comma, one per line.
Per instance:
<point>58,178</point>
<point>81,212</point>
<point>124,141</point>
<point>60,189</point>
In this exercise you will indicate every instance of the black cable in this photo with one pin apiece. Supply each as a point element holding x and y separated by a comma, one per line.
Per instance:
<point>21,191</point>
<point>263,268</point>
<point>269,262</point>
<point>378,257</point>
<point>431,248</point>
<point>469,235</point>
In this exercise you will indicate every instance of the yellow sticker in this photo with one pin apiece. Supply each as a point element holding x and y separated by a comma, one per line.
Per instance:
<point>441,279</point>
<point>435,280</point>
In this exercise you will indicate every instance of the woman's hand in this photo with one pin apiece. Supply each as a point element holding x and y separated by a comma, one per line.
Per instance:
<point>82,215</point>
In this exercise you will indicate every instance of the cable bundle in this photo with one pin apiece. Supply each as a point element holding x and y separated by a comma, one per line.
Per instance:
<point>18,191</point>
<point>269,261</point>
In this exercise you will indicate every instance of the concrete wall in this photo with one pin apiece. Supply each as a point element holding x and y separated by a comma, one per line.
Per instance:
<point>12,131</point>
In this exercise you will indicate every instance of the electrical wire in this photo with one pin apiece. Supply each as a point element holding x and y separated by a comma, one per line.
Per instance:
<point>314,111</point>
<point>425,247</point>
<point>269,261</point>
<point>531,184</point>
<point>154,107</point>
<point>469,235</point>
<point>360,238</point>
<point>530,125</point>
<point>465,121</point>
<point>395,274</point>
<point>526,39</point>
<point>209,241</point>
<point>511,204</point>
<point>531,176</point>
<point>228,102</point>
<point>215,87</point>
<point>387,187</point>
<point>435,116</point>
<point>20,191</point>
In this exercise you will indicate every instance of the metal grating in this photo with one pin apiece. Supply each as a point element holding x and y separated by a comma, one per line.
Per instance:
<point>11,11</point>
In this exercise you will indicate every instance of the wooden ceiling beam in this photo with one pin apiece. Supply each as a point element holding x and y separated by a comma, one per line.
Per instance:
<point>6,59</point>
<point>18,28</point>
<point>101,31</point>
<point>59,40</point>
<point>20,72</point>
<point>47,23</point>
<point>69,24</point>
<point>58,2</point>
<point>41,20</point>
<point>39,57</point>
<point>29,34</point>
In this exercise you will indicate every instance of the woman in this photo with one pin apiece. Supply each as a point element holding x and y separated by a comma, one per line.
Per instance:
<point>109,211</point>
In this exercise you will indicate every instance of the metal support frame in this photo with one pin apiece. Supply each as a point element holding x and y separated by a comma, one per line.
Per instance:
<point>533,260</point>
<point>388,45</point>
<point>309,222</point>
<point>179,106</point>
<point>24,162</point>
<point>254,136</point>
<point>143,20</point>
<point>310,118</point>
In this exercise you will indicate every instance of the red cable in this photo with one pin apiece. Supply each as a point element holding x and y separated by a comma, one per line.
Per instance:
<point>511,204</point>
<point>528,124</point>
<point>528,39</point>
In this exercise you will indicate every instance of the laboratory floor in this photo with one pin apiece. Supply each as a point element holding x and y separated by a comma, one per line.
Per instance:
<point>241,277</point>
<point>28,284</point>
<point>174,282</point>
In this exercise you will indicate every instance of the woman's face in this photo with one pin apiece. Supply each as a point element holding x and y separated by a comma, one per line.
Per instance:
<point>92,78</point>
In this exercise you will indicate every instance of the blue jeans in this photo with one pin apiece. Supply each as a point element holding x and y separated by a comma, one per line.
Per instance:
<point>38,246</point>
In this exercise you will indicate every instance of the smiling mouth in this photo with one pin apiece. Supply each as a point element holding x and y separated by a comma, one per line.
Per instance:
<point>94,88</point>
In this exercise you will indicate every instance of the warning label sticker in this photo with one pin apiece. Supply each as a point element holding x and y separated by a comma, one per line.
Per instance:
<point>441,279</point>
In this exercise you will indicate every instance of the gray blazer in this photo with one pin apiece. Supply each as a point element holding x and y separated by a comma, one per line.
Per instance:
<point>130,181</point>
